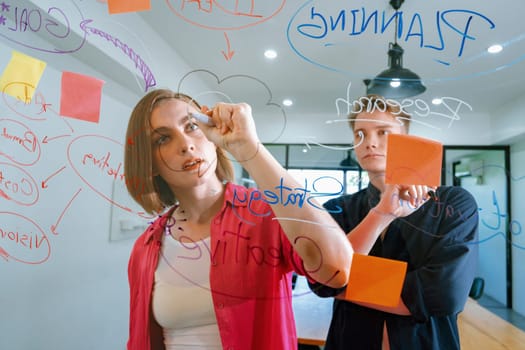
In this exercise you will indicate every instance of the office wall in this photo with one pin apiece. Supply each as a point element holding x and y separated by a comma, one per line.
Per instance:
<point>63,254</point>
<point>489,189</point>
<point>63,281</point>
<point>507,121</point>
<point>67,226</point>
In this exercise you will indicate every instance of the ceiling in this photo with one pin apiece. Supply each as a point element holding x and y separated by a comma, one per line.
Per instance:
<point>324,51</point>
<point>445,43</point>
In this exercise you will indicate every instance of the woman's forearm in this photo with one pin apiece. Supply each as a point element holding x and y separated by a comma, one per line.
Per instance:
<point>318,239</point>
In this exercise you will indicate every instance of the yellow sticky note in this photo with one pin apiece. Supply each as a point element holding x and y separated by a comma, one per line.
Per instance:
<point>375,280</point>
<point>413,160</point>
<point>21,76</point>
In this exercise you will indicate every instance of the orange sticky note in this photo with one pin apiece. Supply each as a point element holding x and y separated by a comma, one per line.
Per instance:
<point>375,280</point>
<point>413,160</point>
<point>21,76</point>
<point>80,97</point>
<point>121,6</point>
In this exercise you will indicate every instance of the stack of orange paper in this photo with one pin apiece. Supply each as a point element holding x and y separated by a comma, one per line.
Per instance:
<point>375,280</point>
<point>413,160</point>
<point>122,6</point>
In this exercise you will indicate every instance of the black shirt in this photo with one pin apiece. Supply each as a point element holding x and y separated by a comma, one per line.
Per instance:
<point>439,244</point>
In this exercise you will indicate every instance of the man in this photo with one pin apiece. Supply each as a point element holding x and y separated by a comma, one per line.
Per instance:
<point>435,236</point>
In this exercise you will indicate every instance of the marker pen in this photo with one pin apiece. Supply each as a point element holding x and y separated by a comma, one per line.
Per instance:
<point>203,118</point>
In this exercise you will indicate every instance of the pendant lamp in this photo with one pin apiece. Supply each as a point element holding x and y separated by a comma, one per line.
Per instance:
<point>396,81</point>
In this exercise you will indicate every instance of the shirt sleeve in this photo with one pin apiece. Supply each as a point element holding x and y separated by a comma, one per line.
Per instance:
<point>295,262</point>
<point>335,208</point>
<point>441,285</point>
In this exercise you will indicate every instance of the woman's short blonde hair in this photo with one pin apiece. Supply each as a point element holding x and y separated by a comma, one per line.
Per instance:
<point>371,103</point>
<point>152,192</point>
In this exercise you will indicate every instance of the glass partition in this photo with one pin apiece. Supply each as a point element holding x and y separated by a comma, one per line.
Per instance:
<point>483,171</point>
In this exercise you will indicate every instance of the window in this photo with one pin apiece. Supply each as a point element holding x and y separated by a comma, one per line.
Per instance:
<point>322,184</point>
<point>356,180</point>
<point>329,170</point>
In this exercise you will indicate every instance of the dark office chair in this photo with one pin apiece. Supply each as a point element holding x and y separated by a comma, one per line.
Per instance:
<point>476,290</point>
<point>308,347</point>
<point>294,279</point>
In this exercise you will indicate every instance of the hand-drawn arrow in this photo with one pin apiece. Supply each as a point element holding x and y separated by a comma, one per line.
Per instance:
<point>4,254</point>
<point>3,194</point>
<point>44,183</point>
<point>54,227</point>
<point>229,54</point>
<point>141,65</point>
<point>69,125</point>
<point>47,139</point>
<point>145,215</point>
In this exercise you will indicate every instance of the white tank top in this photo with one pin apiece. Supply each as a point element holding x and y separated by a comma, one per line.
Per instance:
<point>182,301</point>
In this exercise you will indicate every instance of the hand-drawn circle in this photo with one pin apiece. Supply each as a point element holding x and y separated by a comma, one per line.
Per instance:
<point>238,294</point>
<point>30,181</point>
<point>47,26</point>
<point>100,138</point>
<point>219,81</point>
<point>18,140</point>
<point>12,107</point>
<point>22,240</point>
<point>260,19</point>
<point>429,80</point>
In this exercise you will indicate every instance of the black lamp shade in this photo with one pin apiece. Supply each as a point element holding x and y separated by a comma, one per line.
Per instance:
<point>396,81</point>
<point>349,163</point>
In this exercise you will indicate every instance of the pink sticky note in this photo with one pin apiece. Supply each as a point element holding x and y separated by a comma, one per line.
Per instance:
<point>80,97</point>
<point>121,6</point>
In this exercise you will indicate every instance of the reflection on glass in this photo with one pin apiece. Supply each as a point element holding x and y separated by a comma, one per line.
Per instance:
<point>483,172</point>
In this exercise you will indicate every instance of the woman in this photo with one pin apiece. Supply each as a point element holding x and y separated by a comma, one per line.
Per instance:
<point>214,270</point>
